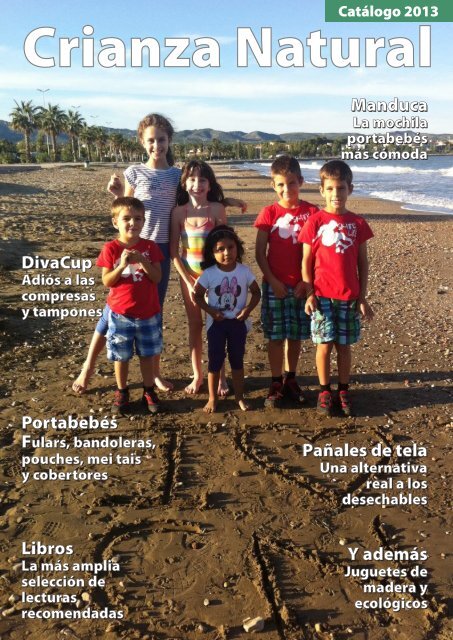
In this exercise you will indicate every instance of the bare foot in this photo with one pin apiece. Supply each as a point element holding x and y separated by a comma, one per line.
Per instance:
<point>194,386</point>
<point>224,389</point>
<point>210,406</point>
<point>163,385</point>
<point>80,385</point>
<point>243,405</point>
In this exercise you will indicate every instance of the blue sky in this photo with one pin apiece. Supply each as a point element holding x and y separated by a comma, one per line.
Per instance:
<point>272,99</point>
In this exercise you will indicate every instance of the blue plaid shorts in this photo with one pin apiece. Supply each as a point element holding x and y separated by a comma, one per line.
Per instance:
<point>124,332</point>
<point>335,321</point>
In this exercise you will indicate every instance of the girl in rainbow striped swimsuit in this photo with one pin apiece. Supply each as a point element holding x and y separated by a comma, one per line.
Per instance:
<point>199,210</point>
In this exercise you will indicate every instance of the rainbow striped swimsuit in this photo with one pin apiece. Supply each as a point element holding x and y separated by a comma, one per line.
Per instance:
<point>193,240</point>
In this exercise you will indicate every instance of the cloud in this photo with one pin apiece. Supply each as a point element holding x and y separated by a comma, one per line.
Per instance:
<point>273,100</point>
<point>4,49</point>
<point>226,40</point>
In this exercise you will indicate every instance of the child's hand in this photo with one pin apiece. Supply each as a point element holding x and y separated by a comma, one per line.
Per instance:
<point>124,260</point>
<point>192,295</point>
<point>191,289</point>
<point>243,205</point>
<point>243,314</point>
<point>279,289</point>
<point>299,290</point>
<point>135,257</point>
<point>311,304</point>
<point>366,310</point>
<point>114,186</point>
<point>216,314</point>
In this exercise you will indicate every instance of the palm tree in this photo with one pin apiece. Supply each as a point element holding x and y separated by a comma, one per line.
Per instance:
<point>138,151</point>
<point>215,149</point>
<point>132,149</point>
<point>100,141</point>
<point>52,120</point>
<point>87,136</point>
<point>117,141</point>
<point>182,151</point>
<point>73,126</point>
<point>24,119</point>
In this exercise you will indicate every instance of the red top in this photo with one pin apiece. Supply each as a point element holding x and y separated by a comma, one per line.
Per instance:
<point>283,226</point>
<point>335,241</point>
<point>133,294</point>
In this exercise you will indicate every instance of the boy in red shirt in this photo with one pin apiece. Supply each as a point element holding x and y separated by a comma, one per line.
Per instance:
<point>335,268</point>
<point>279,257</point>
<point>131,269</point>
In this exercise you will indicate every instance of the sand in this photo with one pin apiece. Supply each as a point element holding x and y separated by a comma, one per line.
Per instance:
<point>225,518</point>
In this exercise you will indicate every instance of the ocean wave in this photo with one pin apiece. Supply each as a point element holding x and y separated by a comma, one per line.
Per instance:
<point>383,169</point>
<point>390,169</point>
<point>415,201</point>
<point>263,168</point>
<point>311,165</point>
<point>394,170</point>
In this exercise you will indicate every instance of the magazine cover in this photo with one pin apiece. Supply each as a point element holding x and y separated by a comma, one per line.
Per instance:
<point>226,320</point>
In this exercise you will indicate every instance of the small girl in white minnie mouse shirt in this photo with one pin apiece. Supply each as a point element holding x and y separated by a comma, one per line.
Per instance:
<point>227,283</point>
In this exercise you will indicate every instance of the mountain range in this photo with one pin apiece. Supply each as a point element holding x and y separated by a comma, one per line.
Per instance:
<point>208,135</point>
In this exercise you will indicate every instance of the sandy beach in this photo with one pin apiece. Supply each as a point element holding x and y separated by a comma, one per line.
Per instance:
<point>225,518</point>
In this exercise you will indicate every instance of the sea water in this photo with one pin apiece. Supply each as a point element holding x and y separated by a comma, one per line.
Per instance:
<point>419,185</point>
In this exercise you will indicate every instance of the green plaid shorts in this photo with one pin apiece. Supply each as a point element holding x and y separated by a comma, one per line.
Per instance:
<point>283,318</point>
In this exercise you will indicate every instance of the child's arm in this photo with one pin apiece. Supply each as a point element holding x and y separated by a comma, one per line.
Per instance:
<point>254,299</point>
<point>152,269</point>
<point>278,287</point>
<point>219,214</point>
<point>199,297</point>
<point>307,276</point>
<point>362,267</point>
<point>235,202</point>
<point>175,235</point>
<point>299,290</point>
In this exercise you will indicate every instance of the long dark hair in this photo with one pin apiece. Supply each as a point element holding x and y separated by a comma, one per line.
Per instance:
<point>214,236</point>
<point>161,122</point>
<point>215,193</point>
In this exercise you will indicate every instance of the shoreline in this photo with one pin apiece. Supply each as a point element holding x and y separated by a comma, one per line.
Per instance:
<point>312,186</point>
<point>363,203</point>
<point>234,167</point>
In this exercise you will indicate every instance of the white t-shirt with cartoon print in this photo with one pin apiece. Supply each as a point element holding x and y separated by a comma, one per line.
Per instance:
<point>227,290</point>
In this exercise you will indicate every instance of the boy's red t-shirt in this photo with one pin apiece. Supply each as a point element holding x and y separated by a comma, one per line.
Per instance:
<point>134,294</point>
<point>283,226</point>
<point>335,241</point>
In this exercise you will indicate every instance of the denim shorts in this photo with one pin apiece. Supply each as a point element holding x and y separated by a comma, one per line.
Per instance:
<point>124,332</point>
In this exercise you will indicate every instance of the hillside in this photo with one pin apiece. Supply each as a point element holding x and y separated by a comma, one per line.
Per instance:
<point>208,135</point>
